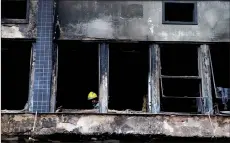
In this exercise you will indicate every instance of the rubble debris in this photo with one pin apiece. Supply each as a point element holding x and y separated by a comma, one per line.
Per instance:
<point>127,111</point>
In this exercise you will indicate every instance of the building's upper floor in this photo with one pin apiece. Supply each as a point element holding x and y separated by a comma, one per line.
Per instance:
<point>201,21</point>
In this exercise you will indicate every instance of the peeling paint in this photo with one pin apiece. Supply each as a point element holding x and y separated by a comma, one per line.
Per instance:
<point>168,127</point>
<point>19,118</point>
<point>66,126</point>
<point>100,28</point>
<point>11,31</point>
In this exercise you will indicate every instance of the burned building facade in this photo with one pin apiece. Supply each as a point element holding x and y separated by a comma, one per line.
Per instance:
<point>158,67</point>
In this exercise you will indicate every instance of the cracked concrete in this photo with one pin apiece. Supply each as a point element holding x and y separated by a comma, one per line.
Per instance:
<point>91,124</point>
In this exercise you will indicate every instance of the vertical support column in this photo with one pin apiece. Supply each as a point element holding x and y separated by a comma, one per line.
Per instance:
<point>103,77</point>
<point>54,79</point>
<point>41,90</point>
<point>154,76</point>
<point>205,74</point>
<point>31,83</point>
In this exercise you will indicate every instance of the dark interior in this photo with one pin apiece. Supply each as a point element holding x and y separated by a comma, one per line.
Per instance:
<point>14,9</point>
<point>179,60</point>
<point>179,87</point>
<point>128,76</point>
<point>182,105</point>
<point>77,74</point>
<point>15,69</point>
<point>221,64</point>
<point>178,93</point>
<point>220,54</point>
<point>179,12</point>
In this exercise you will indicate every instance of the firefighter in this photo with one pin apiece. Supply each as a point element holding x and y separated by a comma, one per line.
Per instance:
<point>94,99</point>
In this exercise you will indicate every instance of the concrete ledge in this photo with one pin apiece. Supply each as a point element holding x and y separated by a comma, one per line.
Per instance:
<point>14,124</point>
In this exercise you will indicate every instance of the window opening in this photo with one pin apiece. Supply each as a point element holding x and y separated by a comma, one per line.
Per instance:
<point>179,60</point>
<point>77,74</point>
<point>15,74</point>
<point>179,13</point>
<point>220,56</point>
<point>15,11</point>
<point>180,82</point>
<point>128,76</point>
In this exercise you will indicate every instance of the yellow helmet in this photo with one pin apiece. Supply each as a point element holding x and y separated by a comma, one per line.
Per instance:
<point>92,95</point>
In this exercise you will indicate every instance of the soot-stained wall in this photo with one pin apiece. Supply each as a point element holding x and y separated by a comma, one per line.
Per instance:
<point>140,21</point>
<point>27,30</point>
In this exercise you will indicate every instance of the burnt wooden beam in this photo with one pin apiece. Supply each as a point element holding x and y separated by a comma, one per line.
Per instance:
<point>205,74</point>
<point>103,77</point>
<point>154,76</point>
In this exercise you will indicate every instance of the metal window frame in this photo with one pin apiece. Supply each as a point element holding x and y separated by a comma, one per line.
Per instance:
<point>204,75</point>
<point>195,13</point>
<point>18,21</point>
<point>188,77</point>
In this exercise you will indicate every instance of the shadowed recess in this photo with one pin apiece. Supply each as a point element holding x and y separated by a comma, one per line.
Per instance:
<point>15,68</point>
<point>77,74</point>
<point>128,76</point>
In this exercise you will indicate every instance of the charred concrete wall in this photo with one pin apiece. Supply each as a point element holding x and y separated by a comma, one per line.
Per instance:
<point>141,20</point>
<point>95,124</point>
<point>27,30</point>
<point>128,20</point>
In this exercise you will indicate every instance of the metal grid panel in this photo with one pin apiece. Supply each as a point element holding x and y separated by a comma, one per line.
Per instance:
<point>43,59</point>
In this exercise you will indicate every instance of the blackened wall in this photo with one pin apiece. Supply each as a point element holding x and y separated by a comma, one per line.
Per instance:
<point>26,30</point>
<point>140,20</point>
